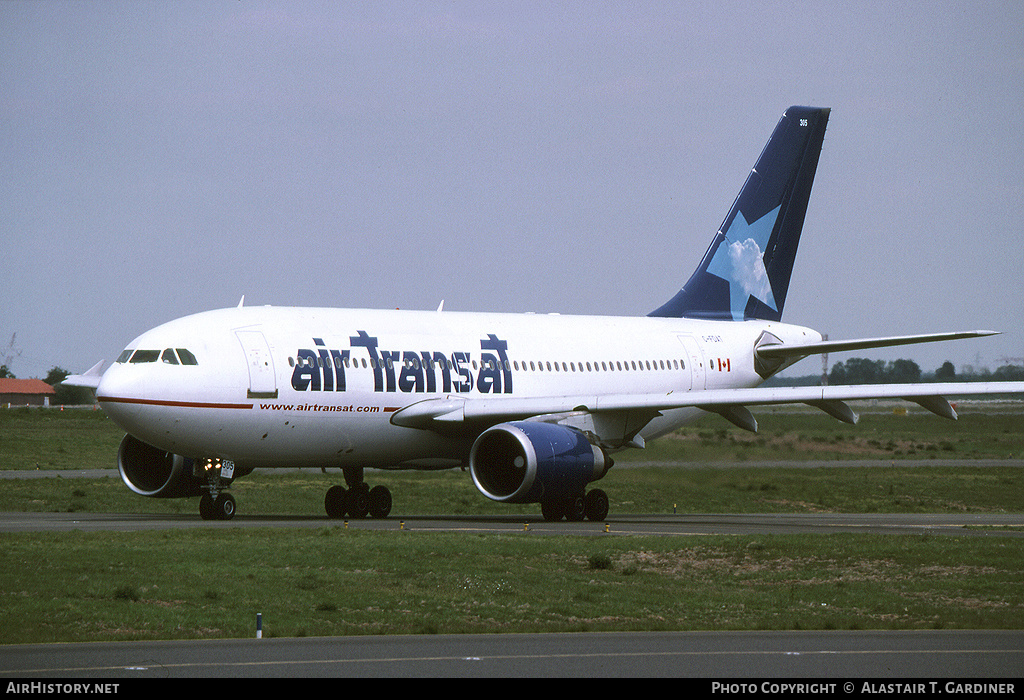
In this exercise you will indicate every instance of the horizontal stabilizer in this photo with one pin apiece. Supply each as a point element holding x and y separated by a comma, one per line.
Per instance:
<point>779,351</point>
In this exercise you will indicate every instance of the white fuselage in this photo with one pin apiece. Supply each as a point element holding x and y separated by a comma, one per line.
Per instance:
<point>295,387</point>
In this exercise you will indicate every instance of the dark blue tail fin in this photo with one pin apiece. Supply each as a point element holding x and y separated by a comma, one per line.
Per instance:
<point>745,273</point>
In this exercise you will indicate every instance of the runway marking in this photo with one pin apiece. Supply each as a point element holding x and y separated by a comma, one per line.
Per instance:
<point>509,657</point>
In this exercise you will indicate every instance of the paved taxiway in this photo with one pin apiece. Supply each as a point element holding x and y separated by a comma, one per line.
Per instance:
<point>838,656</point>
<point>832,654</point>
<point>966,524</point>
<point>835,654</point>
<point>977,524</point>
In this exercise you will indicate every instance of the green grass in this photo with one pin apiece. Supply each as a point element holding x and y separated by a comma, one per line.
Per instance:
<point>87,439</point>
<point>896,489</point>
<point>33,438</point>
<point>887,431</point>
<point>79,439</point>
<point>208,582</point>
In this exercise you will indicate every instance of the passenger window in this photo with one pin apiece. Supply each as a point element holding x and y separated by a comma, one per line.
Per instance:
<point>187,358</point>
<point>169,357</point>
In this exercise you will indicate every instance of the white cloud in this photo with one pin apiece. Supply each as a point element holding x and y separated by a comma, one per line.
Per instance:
<point>749,272</point>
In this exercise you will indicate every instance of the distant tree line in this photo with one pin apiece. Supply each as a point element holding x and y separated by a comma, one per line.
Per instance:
<point>858,370</point>
<point>1006,373</point>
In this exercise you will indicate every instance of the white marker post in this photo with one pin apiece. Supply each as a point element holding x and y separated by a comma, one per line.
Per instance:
<point>259,625</point>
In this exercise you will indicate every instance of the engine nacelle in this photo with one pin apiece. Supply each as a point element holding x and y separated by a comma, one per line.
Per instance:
<point>529,462</point>
<point>149,471</point>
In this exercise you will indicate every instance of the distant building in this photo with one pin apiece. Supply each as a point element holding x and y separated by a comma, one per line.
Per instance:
<point>25,392</point>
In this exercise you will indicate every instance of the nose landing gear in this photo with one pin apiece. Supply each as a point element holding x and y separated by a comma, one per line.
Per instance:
<point>216,503</point>
<point>217,507</point>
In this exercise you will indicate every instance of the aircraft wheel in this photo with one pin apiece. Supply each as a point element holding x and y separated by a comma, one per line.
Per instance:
<point>206,507</point>
<point>596,505</point>
<point>379,502</point>
<point>358,502</point>
<point>224,506</point>
<point>334,502</point>
<point>552,510</point>
<point>575,509</point>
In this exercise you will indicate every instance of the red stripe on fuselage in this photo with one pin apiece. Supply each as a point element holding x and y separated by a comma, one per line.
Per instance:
<point>181,404</point>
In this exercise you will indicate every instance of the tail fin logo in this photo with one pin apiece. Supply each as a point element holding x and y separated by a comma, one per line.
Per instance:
<point>746,270</point>
<point>739,260</point>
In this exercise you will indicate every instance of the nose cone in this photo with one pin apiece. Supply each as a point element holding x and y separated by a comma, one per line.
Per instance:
<point>121,393</point>
<point>122,381</point>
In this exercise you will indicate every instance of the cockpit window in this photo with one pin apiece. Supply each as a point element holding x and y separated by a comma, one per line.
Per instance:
<point>169,356</point>
<point>141,356</point>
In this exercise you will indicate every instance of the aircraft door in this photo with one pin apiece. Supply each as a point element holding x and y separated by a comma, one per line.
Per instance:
<point>262,379</point>
<point>696,359</point>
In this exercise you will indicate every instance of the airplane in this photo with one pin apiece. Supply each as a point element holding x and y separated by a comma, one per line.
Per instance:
<point>533,405</point>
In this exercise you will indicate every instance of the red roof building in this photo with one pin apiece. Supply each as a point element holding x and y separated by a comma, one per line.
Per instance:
<point>25,392</point>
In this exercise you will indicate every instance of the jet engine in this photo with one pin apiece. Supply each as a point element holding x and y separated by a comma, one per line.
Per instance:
<point>149,471</point>
<point>531,462</point>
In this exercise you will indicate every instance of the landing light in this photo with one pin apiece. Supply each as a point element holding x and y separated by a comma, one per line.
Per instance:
<point>209,464</point>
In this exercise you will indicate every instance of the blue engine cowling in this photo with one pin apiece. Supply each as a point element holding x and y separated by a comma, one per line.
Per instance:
<point>530,462</point>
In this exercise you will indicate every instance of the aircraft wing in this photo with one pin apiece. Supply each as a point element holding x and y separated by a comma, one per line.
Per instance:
<point>453,412</point>
<point>90,379</point>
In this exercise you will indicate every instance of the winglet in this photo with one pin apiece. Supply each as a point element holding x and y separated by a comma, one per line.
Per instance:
<point>91,378</point>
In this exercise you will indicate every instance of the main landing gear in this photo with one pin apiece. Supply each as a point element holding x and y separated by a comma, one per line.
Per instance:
<point>358,500</point>
<point>593,506</point>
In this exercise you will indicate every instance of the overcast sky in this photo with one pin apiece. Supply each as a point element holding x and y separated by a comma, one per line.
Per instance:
<point>163,158</point>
